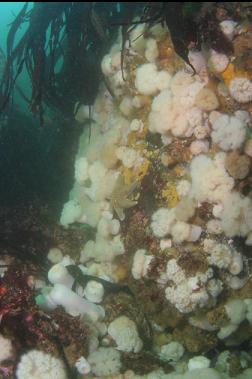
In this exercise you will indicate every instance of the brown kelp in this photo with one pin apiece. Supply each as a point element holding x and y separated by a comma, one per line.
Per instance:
<point>61,50</point>
<point>176,16</point>
<point>63,44</point>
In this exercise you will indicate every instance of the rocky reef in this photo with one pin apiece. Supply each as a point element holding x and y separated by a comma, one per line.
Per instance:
<point>163,187</point>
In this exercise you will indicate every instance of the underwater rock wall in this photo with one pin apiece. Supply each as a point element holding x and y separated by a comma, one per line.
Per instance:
<point>165,182</point>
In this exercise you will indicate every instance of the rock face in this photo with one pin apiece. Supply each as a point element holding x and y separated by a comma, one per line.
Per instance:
<point>174,179</point>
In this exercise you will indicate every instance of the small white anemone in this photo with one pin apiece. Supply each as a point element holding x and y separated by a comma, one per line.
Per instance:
<point>198,362</point>
<point>81,170</point>
<point>241,90</point>
<point>125,334</point>
<point>217,61</point>
<point>82,366</point>
<point>228,27</point>
<point>229,132</point>
<point>220,256</point>
<point>141,263</point>
<point>55,255</point>
<point>236,265</point>
<point>162,221</point>
<point>180,231</point>
<point>197,60</point>
<point>199,146</point>
<point>151,50</point>
<point>173,352</point>
<point>36,364</point>
<point>149,80</point>
<point>59,274</point>
<point>129,157</point>
<point>210,181</point>
<point>74,304</point>
<point>214,226</point>
<point>183,187</point>
<point>136,125</point>
<point>71,212</point>
<point>236,311</point>
<point>94,291</point>
<point>126,106</point>
<point>105,361</point>
<point>6,350</point>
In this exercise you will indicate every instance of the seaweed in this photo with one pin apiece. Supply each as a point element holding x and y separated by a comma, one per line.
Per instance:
<point>82,279</point>
<point>208,28</point>
<point>26,247</point>
<point>176,16</point>
<point>181,34</point>
<point>111,288</point>
<point>79,36</point>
